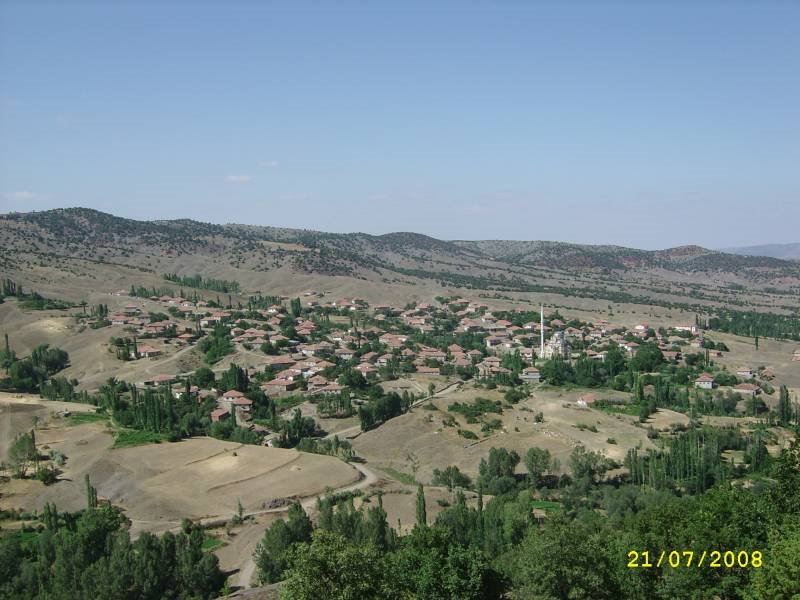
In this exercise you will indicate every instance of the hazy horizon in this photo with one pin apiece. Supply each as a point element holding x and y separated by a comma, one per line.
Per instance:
<point>642,126</point>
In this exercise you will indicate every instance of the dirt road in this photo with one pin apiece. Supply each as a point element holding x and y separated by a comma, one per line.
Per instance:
<point>245,575</point>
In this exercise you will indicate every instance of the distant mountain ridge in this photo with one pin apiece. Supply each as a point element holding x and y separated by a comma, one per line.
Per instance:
<point>782,251</point>
<point>563,254</point>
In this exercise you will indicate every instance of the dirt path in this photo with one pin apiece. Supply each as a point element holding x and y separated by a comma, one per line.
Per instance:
<point>453,387</point>
<point>354,431</point>
<point>246,572</point>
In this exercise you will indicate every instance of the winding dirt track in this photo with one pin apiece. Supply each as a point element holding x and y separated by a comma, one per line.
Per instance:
<point>245,575</point>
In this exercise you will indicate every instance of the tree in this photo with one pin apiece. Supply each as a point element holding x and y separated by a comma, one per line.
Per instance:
<point>330,567</point>
<point>91,493</point>
<point>451,477</point>
<point>431,564</point>
<point>203,377</point>
<point>780,575</point>
<point>784,407</point>
<point>615,360</point>
<point>587,464</point>
<point>272,553</point>
<point>496,475</point>
<point>296,307</point>
<point>422,514</point>
<point>647,358</point>
<point>22,453</point>
<point>538,568</point>
<point>538,461</point>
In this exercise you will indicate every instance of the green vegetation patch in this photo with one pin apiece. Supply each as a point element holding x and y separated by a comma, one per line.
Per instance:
<point>27,539</point>
<point>132,437</point>
<point>478,408</point>
<point>211,543</point>
<point>79,418</point>
<point>399,475</point>
<point>617,408</point>
<point>549,506</point>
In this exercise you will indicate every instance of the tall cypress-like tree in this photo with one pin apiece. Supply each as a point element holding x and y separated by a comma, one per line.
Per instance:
<point>422,513</point>
<point>91,493</point>
<point>784,406</point>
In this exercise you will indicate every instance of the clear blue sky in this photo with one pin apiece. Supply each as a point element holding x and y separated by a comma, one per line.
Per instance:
<point>648,126</point>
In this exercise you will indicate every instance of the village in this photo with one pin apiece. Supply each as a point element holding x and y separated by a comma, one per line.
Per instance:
<point>300,347</point>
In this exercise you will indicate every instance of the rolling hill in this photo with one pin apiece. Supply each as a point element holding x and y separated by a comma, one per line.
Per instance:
<point>783,251</point>
<point>76,248</point>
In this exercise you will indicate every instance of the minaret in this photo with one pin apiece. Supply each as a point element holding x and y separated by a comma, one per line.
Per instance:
<point>541,332</point>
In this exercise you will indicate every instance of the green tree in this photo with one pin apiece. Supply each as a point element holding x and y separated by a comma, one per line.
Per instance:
<point>451,477</point>
<point>538,461</point>
<point>430,564</point>
<point>539,569</point>
<point>422,514</point>
<point>784,406</point>
<point>272,553</point>
<point>22,453</point>
<point>647,358</point>
<point>330,567</point>
<point>587,464</point>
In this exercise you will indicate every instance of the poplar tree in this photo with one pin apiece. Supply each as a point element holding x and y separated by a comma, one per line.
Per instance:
<point>422,514</point>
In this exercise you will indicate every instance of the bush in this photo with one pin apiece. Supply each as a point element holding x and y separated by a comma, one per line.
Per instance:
<point>466,433</point>
<point>47,474</point>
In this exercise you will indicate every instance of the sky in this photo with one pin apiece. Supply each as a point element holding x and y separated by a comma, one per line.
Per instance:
<point>649,125</point>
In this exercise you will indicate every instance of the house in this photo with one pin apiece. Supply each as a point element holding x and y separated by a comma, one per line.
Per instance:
<point>232,395</point>
<point>332,388</point>
<point>586,400</point>
<point>631,347</point>
<point>160,380</point>
<point>384,360</point>
<point>436,355</point>
<point>344,353</point>
<point>745,373</point>
<point>316,382</point>
<point>693,329</point>
<point>422,370</point>
<point>209,321</point>
<point>279,362</point>
<point>705,381</point>
<point>316,349</point>
<point>146,351</point>
<point>219,414</point>
<point>747,389</point>
<point>530,375</point>
<point>279,386</point>
<point>179,391</point>
<point>366,369</point>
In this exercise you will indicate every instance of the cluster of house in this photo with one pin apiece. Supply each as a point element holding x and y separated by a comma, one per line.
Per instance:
<point>300,365</point>
<point>706,382</point>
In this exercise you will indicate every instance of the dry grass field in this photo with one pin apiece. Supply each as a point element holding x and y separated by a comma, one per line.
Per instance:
<point>158,485</point>
<point>421,435</point>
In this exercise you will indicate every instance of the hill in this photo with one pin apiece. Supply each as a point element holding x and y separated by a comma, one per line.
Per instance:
<point>73,249</point>
<point>783,251</point>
